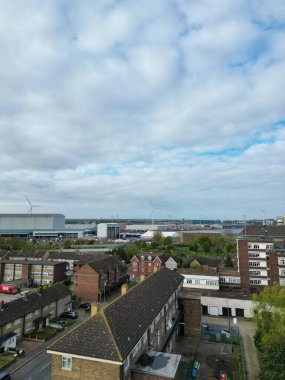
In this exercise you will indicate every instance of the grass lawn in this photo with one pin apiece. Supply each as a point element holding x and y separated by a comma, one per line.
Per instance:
<point>5,359</point>
<point>45,334</point>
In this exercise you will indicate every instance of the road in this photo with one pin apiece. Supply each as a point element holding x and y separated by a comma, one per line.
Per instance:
<point>247,330</point>
<point>38,368</point>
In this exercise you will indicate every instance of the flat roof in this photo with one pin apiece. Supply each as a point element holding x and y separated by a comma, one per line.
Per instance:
<point>30,215</point>
<point>161,364</point>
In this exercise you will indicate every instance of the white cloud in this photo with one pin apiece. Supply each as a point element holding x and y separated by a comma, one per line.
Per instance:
<point>108,105</point>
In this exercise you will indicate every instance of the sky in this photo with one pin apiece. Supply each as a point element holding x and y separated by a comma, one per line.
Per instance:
<point>124,109</point>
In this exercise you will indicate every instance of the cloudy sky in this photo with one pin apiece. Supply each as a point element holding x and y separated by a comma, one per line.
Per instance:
<point>109,107</point>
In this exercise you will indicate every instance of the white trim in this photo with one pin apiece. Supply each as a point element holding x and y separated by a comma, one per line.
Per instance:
<point>83,357</point>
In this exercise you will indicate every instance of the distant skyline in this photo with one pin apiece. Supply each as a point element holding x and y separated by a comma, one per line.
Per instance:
<point>121,109</point>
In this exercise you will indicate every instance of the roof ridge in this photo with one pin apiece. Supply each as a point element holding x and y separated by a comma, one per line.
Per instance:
<point>110,331</point>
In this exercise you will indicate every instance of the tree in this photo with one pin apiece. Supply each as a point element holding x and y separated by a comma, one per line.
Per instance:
<point>228,262</point>
<point>204,242</point>
<point>157,238</point>
<point>270,334</point>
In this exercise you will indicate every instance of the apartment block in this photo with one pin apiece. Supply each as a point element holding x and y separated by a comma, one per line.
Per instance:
<point>33,272</point>
<point>260,264</point>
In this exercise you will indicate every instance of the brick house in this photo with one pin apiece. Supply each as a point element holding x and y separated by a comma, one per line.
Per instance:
<point>98,277</point>
<point>146,264</point>
<point>109,345</point>
<point>33,311</point>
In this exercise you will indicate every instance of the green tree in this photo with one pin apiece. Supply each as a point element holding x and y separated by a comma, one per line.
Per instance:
<point>228,262</point>
<point>157,238</point>
<point>204,242</point>
<point>270,334</point>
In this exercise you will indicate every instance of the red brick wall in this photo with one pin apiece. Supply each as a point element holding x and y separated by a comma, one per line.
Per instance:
<point>86,283</point>
<point>192,315</point>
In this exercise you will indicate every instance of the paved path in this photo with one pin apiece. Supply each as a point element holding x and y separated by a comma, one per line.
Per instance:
<point>247,330</point>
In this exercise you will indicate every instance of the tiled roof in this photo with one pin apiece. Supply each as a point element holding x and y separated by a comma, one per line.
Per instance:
<point>105,264</point>
<point>76,256</point>
<point>114,331</point>
<point>210,261</point>
<point>23,306</point>
<point>264,231</point>
<point>36,254</point>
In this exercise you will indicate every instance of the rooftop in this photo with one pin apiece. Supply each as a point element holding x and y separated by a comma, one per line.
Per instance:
<point>161,364</point>
<point>114,331</point>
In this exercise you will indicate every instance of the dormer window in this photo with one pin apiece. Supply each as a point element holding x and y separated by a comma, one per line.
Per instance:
<point>149,258</point>
<point>142,257</point>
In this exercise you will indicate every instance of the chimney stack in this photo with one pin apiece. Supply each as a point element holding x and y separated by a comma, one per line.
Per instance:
<point>124,289</point>
<point>94,309</point>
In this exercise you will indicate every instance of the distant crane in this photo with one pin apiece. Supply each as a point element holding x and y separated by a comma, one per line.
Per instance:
<point>30,210</point>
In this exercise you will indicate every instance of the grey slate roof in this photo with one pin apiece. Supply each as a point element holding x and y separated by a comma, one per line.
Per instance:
<point>115,330</point>
<point>21,307</point>
<point>264,231</point>
<point>105,264</point>
<point>210,261</point>
<point>26,254</point>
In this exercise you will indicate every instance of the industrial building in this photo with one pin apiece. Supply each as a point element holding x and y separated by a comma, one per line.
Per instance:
<point>108,231</point>
<point>41,226</point>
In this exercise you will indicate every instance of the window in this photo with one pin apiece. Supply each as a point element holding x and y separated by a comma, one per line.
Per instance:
<point>18,332</point>
<point>253,254</point>
<point>17,321</point>
<point>189,281</point>
<point>211,282</point>
<point>66,363</point>
<point>8,325</point>
<point>255,282</point>
<point>254,263</point>
<point>269,246</point>
<point>137,348</point>
<point>256,246</point>
<point>197,282</point>
<point>254,272</point>
<point>29,326</point>
<point>29,315</point>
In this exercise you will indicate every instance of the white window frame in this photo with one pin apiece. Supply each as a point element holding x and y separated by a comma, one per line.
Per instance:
<point>66,363</point>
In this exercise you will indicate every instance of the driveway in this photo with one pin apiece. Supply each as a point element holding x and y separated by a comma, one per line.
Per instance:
<point>247,330</point>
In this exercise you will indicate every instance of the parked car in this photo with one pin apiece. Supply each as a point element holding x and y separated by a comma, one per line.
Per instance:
<point>56,325</point>
<point>226,333</point>
<point>59,321</point>
<point>70,314</point>
<point>85,305</point>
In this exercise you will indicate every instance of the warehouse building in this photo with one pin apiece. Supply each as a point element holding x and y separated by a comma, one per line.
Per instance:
<point>41,226</point>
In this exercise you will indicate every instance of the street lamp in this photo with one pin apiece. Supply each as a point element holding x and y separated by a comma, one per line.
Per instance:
<point>105,283</point>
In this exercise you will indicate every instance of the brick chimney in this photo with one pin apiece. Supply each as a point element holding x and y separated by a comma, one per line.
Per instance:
<point>94,309</point>
<point>124,289</point>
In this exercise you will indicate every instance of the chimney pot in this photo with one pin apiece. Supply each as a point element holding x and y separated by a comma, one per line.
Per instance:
<point>94,309</point>
<point>124,289</point>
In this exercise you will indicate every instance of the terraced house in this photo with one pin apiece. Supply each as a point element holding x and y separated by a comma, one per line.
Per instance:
<point>115,342</point>
<point>33,311</point>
